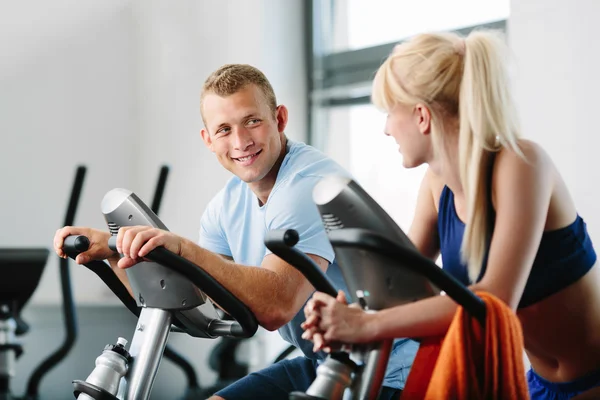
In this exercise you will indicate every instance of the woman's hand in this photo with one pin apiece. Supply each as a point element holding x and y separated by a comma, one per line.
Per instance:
<point>330,320</point>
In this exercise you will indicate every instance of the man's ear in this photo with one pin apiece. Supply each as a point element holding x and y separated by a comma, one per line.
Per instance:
<point>281,115</point>
<point>206,139</point>
<point>423,117</point>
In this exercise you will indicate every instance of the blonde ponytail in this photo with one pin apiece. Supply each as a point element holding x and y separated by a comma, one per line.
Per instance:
<point>487,121</point>
<point>464,78</point>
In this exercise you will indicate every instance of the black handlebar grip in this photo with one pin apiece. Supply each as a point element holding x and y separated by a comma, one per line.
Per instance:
<point>76,244</point>
<point>281,243</point>
<point>291,237</point>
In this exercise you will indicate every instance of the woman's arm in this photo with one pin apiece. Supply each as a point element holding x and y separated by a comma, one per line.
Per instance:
<point>330,320</point>
<point>522,190</point>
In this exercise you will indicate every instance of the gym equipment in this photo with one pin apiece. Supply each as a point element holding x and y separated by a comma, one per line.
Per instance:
<point>14,294</point>
<point>25,267</point>
<point>381,268</point>
<point>171,294</point>
<point>222,358</point>
<point>193,390</point>
<point>223,361</point>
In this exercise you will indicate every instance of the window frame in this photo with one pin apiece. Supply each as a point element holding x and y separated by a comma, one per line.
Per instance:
<point>343,78</point>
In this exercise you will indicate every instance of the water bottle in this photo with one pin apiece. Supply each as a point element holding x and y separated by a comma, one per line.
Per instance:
<point>111,366</point>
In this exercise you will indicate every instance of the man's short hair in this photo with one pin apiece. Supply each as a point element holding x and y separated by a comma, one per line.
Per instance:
<point>231,78</point>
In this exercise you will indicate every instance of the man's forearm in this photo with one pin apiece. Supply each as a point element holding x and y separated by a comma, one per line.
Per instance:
<point>265,292</point>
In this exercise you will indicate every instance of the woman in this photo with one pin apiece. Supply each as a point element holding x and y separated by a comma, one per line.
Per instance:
<point>492,203</point>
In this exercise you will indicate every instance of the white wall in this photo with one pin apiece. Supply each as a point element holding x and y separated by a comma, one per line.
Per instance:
<point>557,57</point>
<point>66,97</point>
<point>178,45</point>
<point>115,85</point>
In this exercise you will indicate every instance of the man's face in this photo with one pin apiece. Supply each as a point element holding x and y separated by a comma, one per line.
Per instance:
<point>243,132</point>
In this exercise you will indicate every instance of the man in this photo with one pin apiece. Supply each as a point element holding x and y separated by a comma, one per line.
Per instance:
<point>271,189</point>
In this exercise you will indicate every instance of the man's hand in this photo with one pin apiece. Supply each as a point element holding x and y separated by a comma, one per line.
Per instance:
<point>98,249</point>
<point>135,242</point>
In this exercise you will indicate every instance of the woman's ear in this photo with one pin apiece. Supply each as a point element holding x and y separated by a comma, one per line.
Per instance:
<point>423,118</point>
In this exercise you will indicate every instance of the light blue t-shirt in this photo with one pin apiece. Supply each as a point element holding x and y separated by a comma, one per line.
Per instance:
<point>234,225</point>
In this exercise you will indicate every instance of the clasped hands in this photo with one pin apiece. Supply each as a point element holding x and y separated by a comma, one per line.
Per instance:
<point>331,322</point>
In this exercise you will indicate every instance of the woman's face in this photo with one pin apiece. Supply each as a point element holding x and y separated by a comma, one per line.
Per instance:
<point>410,126</point>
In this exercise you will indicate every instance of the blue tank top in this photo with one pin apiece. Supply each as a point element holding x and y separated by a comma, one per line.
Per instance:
<point>564,255</point>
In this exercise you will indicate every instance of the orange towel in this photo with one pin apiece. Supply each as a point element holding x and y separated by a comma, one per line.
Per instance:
<point>422,368</point>
<point>472,363</point>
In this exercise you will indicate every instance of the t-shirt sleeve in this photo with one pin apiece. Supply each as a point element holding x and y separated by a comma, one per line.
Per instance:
<point>212,236</point>
<point>292,207</point>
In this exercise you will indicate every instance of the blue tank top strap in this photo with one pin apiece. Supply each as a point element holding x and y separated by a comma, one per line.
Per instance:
<point>564,255</point>
<point>451,228</point>
<point>450,234</point>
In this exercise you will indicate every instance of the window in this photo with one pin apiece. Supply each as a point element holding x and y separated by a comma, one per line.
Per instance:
<point>359,23</point>
<point>349,40</point>
<point>356,140</point>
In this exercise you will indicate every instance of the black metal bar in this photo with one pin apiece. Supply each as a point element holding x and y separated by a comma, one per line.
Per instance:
<point>73,245</point>
<point>246,323</point>
<point>160,189</point>
<point>69,310</point>
<point>309,57</point>
<point>184,364</point>
<point>4,386</point>
<point>282,242</point>
<point>285,353</point>
<point>105,273</point>
<point>213,289</point>
<point>372,241</point>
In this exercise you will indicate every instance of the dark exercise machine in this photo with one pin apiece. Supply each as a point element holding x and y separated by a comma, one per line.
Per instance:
<point>170,294</point>
<point>25,267</point>
<point>22,269</point>
<point>382,269</point>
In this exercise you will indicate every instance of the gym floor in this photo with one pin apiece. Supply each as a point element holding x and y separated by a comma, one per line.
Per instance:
<point>98,326</point>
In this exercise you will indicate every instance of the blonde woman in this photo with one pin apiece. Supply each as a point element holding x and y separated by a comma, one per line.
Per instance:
<point>494,206</point>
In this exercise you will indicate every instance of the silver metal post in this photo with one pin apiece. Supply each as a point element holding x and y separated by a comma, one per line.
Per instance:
<point>147,349</point>
<point>376,359</point>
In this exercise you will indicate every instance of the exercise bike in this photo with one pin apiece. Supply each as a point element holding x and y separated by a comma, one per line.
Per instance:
<point>381,268</point>
<point>171,294</point>
<point>24,267</point>
<point>223,356</point>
